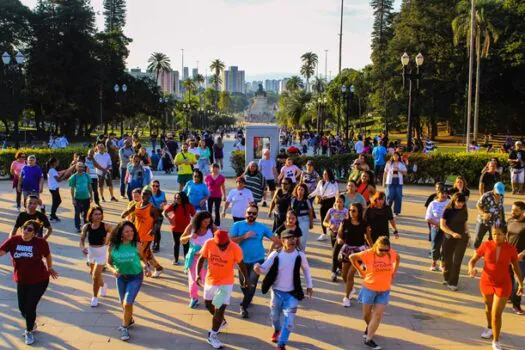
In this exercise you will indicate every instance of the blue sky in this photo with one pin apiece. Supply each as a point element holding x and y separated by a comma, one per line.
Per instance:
<point>263,37</point>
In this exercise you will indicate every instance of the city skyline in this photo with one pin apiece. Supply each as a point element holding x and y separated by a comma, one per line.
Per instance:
<point>266,38</point>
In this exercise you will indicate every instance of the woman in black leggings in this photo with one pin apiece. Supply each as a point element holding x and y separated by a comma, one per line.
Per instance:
<point>30,272</point>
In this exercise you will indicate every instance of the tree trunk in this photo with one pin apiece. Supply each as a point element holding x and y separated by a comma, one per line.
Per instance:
<point>476,98</point>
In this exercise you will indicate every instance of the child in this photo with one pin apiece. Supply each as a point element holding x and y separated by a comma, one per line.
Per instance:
<point>53,178</point>
<point>282,274</point>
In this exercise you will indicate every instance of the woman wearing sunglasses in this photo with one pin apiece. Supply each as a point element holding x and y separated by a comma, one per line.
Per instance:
<point>281,202</point>
<point>382,263</point>
<point>30,272</point>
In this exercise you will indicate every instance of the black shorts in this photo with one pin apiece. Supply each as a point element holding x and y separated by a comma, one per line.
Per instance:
<point>271,184</point>
<point>105,178</point>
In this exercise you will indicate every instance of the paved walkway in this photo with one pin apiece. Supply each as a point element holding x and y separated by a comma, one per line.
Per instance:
<point>422,315</point>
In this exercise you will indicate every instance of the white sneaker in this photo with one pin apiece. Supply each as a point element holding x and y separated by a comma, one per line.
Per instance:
<point>322,237</point>
<point>94,302</point>
<point>346,302</point>
<point>496,345</point>
<point>156,274</point>
<point>453,288</point>
<point>103,290</point>
<point>214,341</point>
<point>487,333</point>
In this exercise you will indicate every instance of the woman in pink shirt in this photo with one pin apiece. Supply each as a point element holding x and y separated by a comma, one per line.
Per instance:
<point>217,188</point>
<point>16,168</point>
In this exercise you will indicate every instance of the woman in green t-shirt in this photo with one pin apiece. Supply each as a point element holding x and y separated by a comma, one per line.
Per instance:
<point>124,262</point>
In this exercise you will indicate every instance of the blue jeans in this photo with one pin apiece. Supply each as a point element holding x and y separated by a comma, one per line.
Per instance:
<point>394,193</point>
<point>128,287</point>
<point>436,236</point>
<point>286,304</point>
<point>481,230</point>
<point>122,183</point>
<point>516,299</point>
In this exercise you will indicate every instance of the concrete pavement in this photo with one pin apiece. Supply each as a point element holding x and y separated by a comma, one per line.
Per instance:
<point>422,315</point>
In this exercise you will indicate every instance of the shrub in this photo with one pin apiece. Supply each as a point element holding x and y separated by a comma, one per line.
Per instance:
<point>422,168</point>
<point>64,156</point>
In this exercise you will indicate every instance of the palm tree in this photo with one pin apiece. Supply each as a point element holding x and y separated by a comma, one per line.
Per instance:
<point>198,79</point>
<point>318,85</point>
<point>189,85</point>
<point>295,106</point>
<point>310,61</point>
<point>159,62</point>
<point>485,34</point>
<point>294,83</point>
<point>216,66</point>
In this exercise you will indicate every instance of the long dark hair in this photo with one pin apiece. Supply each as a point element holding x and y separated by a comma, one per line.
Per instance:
<point>359,208</point>
<point>457,197</point>
<point>330,173</point>
<point>115,239</point>
<point>183,201</point>
<point>197,220</point>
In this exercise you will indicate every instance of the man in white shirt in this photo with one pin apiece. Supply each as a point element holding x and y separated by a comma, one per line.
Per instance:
<point>268,169</point>
<point>285,282</point>
<point>195,150</point>
<point>239,198</point>
<point>359,145</point>
<point>104,167</point>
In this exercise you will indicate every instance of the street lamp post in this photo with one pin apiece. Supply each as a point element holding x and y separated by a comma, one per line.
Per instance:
<point>187,109</point>
<point>163,102</point>
<point>321,102</point>
<point>349,92</point>
<point>12,79</point>
<point>117,88</point>
<point>409,74</point>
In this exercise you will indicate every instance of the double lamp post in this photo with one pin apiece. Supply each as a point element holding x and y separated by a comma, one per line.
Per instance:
<point>347,92</point>
<point>411,75</point>
<point>13,80</point>
<point>122,89</point>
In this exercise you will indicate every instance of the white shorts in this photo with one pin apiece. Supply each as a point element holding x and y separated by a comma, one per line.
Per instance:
<point>211,291</point>
<point>517,176</point>
<point>97,255</point>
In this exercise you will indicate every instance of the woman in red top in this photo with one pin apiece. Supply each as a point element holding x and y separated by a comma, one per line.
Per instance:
<point>31,274</point>
<point>496,284</point>
<point>366,186</point>
<point>179,214</point>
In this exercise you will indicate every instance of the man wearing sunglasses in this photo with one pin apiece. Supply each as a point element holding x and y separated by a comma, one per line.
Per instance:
<point>249,234</point>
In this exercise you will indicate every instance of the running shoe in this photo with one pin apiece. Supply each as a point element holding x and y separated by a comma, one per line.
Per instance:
<point>445,283</point>
<point>334,277</point>
<point>104,290</point>
<point>487,333</point>
<point>282,347</point>
<point>372,344</point>
<point>244,313</point>
<point>193,303</point>
<point>453,288</point>
<point>264,205</point>
<point>124,197</point>
<point>214,341</point>
<point>322,237</point>
<point>113,199</point>
<point>124,334</point>
<point>29,338</point>
<point>346,302</point>
<point>175,262</point>
<point>434,267</point>
<point>34,330</point>
<point>94,302</point>
<point>518,311</point>
<point>275,336</point>
<point>496,345</point>
<point>365,334</point>
<point>338,272</point>
<point>156,273</point>
<point>223,326</point>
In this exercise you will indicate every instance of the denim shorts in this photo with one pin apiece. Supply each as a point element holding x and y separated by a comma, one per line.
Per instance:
<point>128,287</point>
<point>370,297</point>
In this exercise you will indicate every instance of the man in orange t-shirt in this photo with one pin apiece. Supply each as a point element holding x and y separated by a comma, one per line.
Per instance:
<point>222,255</point>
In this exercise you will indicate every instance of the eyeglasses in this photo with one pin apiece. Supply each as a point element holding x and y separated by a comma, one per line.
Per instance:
<point>251,213</point>
<point>353,210</point>
<point>29,229</point>
<point>155,186</point>
<point>384,250</point>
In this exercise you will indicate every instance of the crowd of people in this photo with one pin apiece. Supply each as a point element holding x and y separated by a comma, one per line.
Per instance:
<point>359,220</point>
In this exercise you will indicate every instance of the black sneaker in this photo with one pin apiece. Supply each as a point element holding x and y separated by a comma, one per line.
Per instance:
<point>244,313</point>
<point>372,344</point>
<point>264,205</point>
<point>113,199</point>
<point>365,333</point>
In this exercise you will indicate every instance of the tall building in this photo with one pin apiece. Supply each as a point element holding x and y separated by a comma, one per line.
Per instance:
<point>167,81</point>
<point>138,73</point>
<point>194,72</point>
<point>185,74</point>
<point>233,80</point>
<point>282,85</point>
<point>271,85</point>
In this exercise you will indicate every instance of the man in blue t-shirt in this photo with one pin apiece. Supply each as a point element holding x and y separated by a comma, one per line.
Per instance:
<point>31,181</point>
<point>249,234</point>
<point>379,153</point>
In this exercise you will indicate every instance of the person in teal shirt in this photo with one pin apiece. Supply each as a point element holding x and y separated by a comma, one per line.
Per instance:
<point>197,191</point>
<point>379,153</point>
<point>204,158</point>
<point>249,234</point>
<point>80,184</point>
<point>124,262</point>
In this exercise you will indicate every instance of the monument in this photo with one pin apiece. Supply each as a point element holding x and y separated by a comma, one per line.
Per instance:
<point>260,111</point>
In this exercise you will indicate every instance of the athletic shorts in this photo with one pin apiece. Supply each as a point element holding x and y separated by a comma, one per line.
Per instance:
<point>517,175</point>
<point>271,184</point>
<point>502,291</point>
<point>210,292</point>
<point>105,179</point>
<point>183,178</point>
<point>370,297</point>
<point>97,255</point>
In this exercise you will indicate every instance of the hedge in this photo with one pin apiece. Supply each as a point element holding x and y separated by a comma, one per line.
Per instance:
<point>64,156</point>
<point>423,168</point>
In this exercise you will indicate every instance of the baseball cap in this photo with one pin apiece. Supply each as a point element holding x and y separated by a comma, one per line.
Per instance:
<point>221,237</point>
<point>499,188</point>
<point>518,143</point>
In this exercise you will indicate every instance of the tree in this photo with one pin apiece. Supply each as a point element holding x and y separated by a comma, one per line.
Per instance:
<point>319,85</point>
<point>294,83</point>
<point>485,33</point>
<point>114,14</point>
<point>216,66</point>
<point>224,102</point>
<point>310,61</point>
<point>159,62</point>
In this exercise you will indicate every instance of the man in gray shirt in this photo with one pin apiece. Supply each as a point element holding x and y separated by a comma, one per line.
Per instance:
<point>124,154</point>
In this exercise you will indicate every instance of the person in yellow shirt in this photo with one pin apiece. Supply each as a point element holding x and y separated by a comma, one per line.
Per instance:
<point>184,160</point>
